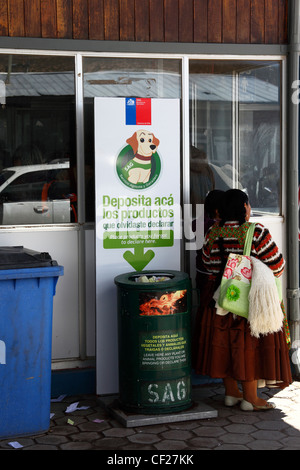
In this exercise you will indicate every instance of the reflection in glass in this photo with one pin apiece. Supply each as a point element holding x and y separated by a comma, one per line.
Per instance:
<point>235,127</point>
<point>37,145</point>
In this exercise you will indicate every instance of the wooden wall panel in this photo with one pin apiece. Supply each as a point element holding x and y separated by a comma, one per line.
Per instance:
<point>80,19</point>
<point>64,19</point>
<point>142,20</point>
<point>171,21</point>
<point>214,21</point>
<point>32,18</point>
<point>257,22</point>
<point>229,25</point>
<point>16,25</point>
<point>48,19</point>
<point>200,20</point>
<point>111,20</point>
<point>283,21</point>
<point>96,15</point>
<point>3,19</point>
<point>185,21</point>
<point>271,22</point>
<point>156,22</point>
<point>243,15</point>
<point>127,19</point>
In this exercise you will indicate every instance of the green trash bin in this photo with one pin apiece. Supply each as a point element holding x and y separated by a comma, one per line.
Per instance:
<point>154,341</point>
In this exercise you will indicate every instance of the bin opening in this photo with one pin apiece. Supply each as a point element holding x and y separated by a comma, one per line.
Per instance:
<point>153,277</point>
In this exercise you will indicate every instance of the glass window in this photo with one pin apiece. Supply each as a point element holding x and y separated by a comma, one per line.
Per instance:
<point>122,77</point>
<point>37,139</point>
<point>235,129</point>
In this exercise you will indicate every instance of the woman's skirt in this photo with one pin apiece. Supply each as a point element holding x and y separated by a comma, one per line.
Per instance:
<point>227,349</point>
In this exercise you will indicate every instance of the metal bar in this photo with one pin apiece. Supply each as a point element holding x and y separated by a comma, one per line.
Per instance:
<point>185,131</point>
<point>186,153</point>
<point>109,47</point>
<point>235,129</point>
<point>292,166</point>
<point>80,207</point>
<point>293,184</point>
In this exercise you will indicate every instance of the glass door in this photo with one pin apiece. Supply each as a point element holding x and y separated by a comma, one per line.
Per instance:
<point>235,128</point>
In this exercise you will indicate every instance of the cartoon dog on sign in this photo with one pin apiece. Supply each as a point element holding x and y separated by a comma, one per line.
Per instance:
<point>144,144</point>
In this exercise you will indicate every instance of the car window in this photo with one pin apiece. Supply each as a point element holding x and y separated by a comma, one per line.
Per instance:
<point>58,185</point>
<point>40,185</point>
<point>4,175</point>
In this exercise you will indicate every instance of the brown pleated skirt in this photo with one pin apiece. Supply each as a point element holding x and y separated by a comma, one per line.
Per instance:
<point>227,349</point>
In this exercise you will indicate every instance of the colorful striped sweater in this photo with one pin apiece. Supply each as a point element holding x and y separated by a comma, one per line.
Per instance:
<point>263,246</point>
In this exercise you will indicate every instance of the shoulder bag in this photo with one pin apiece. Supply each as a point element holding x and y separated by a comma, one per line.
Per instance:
<point>236,279</point>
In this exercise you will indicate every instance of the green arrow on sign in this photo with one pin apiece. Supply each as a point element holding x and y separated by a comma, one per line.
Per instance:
<point>138,260</point>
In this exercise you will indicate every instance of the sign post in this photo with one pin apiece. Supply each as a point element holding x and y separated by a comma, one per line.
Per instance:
<point>137,171</point>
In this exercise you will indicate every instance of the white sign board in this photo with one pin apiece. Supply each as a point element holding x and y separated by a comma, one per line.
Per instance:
<point>137,168</point>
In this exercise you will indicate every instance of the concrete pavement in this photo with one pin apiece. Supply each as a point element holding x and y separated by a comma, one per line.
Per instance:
<point>95,428</point>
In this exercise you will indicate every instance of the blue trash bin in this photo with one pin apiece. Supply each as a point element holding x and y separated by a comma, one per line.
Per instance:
<point>27,285</point>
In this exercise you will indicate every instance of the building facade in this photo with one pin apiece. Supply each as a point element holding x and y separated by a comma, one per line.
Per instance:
<point>230,64</point>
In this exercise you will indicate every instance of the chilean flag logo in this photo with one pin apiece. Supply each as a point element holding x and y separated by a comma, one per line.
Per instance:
<point>138,111</point>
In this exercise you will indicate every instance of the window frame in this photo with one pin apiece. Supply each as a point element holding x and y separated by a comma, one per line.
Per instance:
<point>263,53</point>
<point>234,109</point>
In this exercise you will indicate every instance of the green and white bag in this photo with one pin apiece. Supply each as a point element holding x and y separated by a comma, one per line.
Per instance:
<point>236,280</point>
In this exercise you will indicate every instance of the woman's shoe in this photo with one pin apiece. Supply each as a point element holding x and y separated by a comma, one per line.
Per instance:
<point>232,401</point>
<point>247,406</point>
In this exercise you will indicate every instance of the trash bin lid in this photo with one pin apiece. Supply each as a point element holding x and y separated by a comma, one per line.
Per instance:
<point>18,257</point>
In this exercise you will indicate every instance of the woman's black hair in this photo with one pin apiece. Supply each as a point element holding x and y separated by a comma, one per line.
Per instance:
<point>213,202</point>
<point>234,206</point>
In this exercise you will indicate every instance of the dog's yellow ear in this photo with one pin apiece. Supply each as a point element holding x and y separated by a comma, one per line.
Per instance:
<point>132,141</point>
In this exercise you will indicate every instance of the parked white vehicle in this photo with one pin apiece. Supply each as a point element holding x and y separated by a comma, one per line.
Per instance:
<point>35,194</point>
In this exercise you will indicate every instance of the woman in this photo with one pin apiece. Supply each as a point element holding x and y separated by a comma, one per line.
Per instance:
<point>226,348</point>
<point>212,205</point>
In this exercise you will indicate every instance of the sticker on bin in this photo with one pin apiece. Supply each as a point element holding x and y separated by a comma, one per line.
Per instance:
<point>167,303</point>
<point>2,353</point>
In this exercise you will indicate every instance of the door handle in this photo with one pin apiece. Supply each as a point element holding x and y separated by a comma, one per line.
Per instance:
<point>40,209</point>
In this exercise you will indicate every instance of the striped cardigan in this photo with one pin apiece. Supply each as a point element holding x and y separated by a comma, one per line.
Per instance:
<point>263,246</point>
